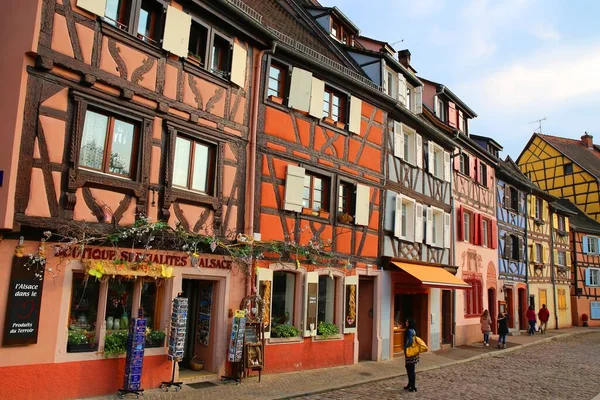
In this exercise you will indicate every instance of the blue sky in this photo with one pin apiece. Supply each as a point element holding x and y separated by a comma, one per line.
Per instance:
<point>512,61</point>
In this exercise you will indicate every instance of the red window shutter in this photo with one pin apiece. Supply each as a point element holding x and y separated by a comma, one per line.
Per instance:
<point>494,240</point>
<point>480,237</point>
<point>459,224</point>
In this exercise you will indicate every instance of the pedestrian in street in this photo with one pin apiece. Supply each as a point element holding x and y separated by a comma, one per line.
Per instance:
<point>410,363</point>
<point>486,327</point>
<point>532,318</point>
<point>502,329</point>
<point>544,316</point>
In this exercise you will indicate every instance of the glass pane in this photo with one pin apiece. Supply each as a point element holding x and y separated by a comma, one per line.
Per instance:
<point>316,205</point>
<point>181,165</point>
<point>336,100</point>
<point>326,302</point>
<point>201,168</point>
<point>403,228</point>
<point>122,146</point>
<point>317,195</point>
<point>148,304</point>
<point>83,313</point>
<point>273,84</point>
<point>144,23</point>
<point>274,73</point>
<point>93,140</point>
<point>318,183</point>
<point>284,287</point>
<point>118,304</point>
<point>112,9</point>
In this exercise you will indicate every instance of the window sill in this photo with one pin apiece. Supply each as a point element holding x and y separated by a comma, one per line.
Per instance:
<point>295,339</point>
<point>194,68</point>
<point>320,338</point>
<point>317,214</point>
<point>129,39</point>
<point>276,100</point>
<point>333,127</point>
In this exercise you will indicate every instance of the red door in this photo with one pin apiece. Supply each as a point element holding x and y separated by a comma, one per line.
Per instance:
<point>366,289</point>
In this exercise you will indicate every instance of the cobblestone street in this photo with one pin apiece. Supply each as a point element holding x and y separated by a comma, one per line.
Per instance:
<point>561,369</point>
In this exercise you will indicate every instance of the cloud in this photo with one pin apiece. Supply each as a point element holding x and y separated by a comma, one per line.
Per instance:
<point>545,32</point>
<point>423,8</point>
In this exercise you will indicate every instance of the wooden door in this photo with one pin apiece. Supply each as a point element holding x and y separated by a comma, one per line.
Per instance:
<point>366,289</point>
<point>446,316</point>
<point>510,307</point>
<point>492,308</point>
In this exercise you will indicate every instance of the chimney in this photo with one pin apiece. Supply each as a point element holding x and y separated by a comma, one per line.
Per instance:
<point>404,57</point>
<point>588,141</point>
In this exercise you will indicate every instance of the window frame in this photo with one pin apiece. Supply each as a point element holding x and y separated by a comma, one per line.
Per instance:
<point>482,174</point>
<point>539,253</point>
<point>594,277</point>
<point>350,197</point>
<point>464,164</point>
<point>561,223</point>
<point>592,241</point>
<point>437,227</point>
<point>467,226</point>
<point>282,81</point>
<point>485,232</point>
<point>325,191</point>
<point>133,20</point>
<point>438,154</point>
<point>514,191</point>
<point>211,164</point>
<point>337,298</point>
<point>441,110</point>
<point>561,254</point>
<point>409,218</point>
<point>515,251</point>
<point>192,56</point>
<point>343,116</point>
<point>568,171</point>
<point>539,207</point>
<point>473,297</point>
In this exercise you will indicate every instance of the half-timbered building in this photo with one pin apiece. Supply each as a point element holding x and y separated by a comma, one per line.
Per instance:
<point>566,168</point>
<point>121,110</point>
<point>585,267</point>
<point>474,211</point>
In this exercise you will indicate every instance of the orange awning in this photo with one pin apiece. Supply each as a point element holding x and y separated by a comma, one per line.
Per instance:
<point>432,276</point>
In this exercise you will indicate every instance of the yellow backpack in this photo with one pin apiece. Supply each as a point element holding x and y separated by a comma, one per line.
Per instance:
<point>418,346</point>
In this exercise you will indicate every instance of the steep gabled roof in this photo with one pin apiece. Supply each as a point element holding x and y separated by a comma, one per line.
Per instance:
<point>443,88</point>
<point>586,158</point>
<point>509,171</point>
<point>580,221</point>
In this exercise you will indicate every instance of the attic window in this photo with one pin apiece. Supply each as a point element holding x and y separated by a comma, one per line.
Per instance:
<point>568,169</point>
<point>339,32</point>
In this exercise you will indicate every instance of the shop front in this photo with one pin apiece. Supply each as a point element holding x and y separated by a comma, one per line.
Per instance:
<point>423,292</point>
<point>87,299</point>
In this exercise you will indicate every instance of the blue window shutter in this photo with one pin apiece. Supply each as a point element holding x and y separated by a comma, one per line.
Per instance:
<point>588,277</point>
<point>585,245</point>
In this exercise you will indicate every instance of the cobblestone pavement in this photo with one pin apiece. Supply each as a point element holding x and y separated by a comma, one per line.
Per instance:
<point>562,369</point>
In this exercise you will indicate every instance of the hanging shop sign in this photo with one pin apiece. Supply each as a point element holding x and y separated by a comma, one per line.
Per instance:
<point>24,301</point>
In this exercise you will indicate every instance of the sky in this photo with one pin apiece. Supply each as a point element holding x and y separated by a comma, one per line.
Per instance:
<point>512,61</point>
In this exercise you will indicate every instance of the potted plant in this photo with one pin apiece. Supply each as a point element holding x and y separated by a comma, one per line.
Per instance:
<point>285,331</point>
<point>309,211</point>
<point>345,218</point>
<point>115,343</point>
<point>327,330</point>
<point>155,338</point>
<point>323,213</point>
<point>328,120</point>
<point>584,319</point>
<point>80,341</point>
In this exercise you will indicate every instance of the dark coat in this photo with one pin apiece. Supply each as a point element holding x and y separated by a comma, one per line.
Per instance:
<point>503,325</point>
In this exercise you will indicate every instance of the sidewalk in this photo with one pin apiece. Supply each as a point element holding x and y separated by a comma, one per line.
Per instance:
<point>287,385</point>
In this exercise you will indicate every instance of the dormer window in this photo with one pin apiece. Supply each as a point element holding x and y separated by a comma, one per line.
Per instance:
<point>341,33</point>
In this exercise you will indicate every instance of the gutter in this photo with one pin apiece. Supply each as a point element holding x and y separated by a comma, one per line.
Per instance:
<point>449,93</point>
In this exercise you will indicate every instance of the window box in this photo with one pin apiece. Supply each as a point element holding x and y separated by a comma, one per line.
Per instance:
<point>332,337</point>
<point>539,222</point>
<point>328,121</point>
<point>345,218</point>
<point>323,214</point>
<point>339,124</point>
<point>562,233</point>
<point>276,99</point>
<point>294,339</point>
<point>82,348</point>
<point>154,344</point>
<point>309,211</point>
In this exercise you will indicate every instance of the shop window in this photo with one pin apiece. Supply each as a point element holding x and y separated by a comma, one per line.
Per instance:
<point>194,165</point>
<point>277,80</point>
<point>83,314</point>
<point>119,301</point>
<point>473,298</point>
<point>198,41</point>
<point>221,57</point>
<point>316,192</point>
<point>152,296</point>
<point>284,292</point>
<point>109,143</point>
<point>149,13</point>
<point>334,105</point>
<point>327,299</point>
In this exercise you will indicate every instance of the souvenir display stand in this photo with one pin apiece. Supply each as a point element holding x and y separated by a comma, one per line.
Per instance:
<point>135,356</point>
<point>253,306</point>
<point>236,348</point>
<point>177,338</point>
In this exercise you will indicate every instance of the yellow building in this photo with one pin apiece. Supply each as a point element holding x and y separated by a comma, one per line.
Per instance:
<point>566,168</point>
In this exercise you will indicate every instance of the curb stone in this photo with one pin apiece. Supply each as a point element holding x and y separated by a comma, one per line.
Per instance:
<point>444,365</point>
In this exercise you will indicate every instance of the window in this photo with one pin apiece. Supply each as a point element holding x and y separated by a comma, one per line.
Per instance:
<point>108,144</point>
<point>327,300</point>
<point>539,253</point>
<point>539,203</point>
<point>515,247</point>
<point>561,223</point>
<point>483,176</point>
<point>335,30</point>
<point>151,301</point>
<point>148,23</point>
<point>407,144</point>
<point>568,169</point>
<point>464,163</point>
<point>221,57</point>
<point>590,244</point>
<point>197,45</point>
<point>277,78</point>
<point>562,259</point>
<point>117,13</point>
<point>514,199</point>
<point>334,105</point>
<point>284,291</point>
<point>438,161</point>
<point>440,110</point>
<point>473,298</point>
<point>593,277</point>
<point>149,13</point>
<point>409,102</point>
<point>485,228</point>
<point>316,192</point>
<point>194,165</point>
<point>467,226</point>
<point>406,218</point>
<point>562,299</point>
<point>340,33</point>
<point>392,83</point>
<point>437,228</point>
<point>595,309</point>
<point>83,313</point>
<point>345,196</point>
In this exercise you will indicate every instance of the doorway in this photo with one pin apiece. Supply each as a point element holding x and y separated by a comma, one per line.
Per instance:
<point>522,293</point>
<point>446,317</point>
<point>410,305</point>
<point>366,292</point>
<point>492,308</point>
<point>510,307</point>
<point>199,340</point>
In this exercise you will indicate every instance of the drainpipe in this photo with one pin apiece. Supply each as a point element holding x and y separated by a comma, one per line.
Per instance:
<point>453,249</point>
<point>252,145</point>
<point>574,270</point>
<point>552,264</point>
<point>526,218</point>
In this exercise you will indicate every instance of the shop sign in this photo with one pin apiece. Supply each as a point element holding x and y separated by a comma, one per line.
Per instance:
<point>24,301</point>
<point>350,307</point>
<point>173,259</point>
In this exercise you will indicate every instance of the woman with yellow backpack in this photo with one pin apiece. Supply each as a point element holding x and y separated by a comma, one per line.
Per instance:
<point>413,346</point>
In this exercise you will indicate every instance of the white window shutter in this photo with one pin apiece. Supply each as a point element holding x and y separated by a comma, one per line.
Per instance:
<point>311,297</point>
<point>447,230</point>
<point>300,89</point>
<point>355,115</point>
<point>238,65</point>
<point>264,287</point>
<point>398,217</point>
<point>419,99</point>
<point>177,32</point>
<point>398,140</point>
<point>419,223</point>
<point>317,91</point>
<point>430,149</point>
<point>294,188</point>
<point>350,304</point>
<point>97,7</point>
<point>429,225</point>
<point>446,166</point>
<point>435,106</point>
<point>362,205</point>
<point>419,150</point>
<point>402,89</point>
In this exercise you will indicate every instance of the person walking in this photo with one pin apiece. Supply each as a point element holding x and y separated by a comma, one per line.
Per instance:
<point>502,329</point>
<point>544,316</point>
<point>486,327</point>
<point>410,363</point>
<point>532,318</point>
